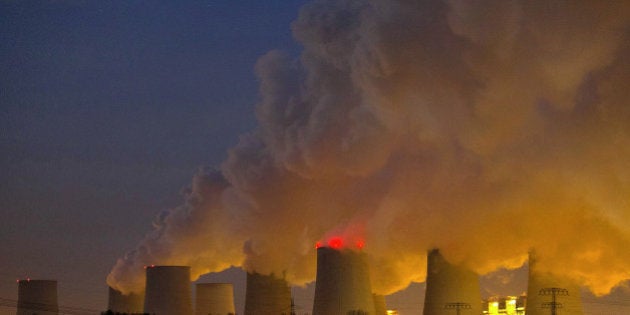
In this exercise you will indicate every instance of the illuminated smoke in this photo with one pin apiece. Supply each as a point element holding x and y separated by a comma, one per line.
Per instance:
<point>193,234</point>
<point>483,128</point>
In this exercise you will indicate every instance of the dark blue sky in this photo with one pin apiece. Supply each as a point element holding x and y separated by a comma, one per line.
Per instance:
<point>107,108</point>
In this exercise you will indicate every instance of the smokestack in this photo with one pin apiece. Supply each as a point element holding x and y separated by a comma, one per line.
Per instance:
<point>542,287</point>
<point>37,297</point>
<point>125,303</point>
<point>168,290</point>
<point>379,304</point>
<point>267,295</point>
<point>450,287</point>
<point>214,298</point>
<point>343,283</point>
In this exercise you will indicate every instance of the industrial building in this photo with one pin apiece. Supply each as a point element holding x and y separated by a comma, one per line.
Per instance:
<point>37,297</point>
<point>342,287</point>
<point>546,291</point>
<point>509,305</point>
<point>214,299</point>
<point>168,290</point>
<point>267,295</point>
<point>343,283</point>
<point>450,288</point>
<point>125,303</point>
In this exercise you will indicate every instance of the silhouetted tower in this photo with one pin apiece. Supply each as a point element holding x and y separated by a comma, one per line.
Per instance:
<point>168,291</point>
<point>37,297</point>
<point>214,298</point>
<point>448,284</point>
<point>554,305</point>
<point>343,284</point>
<point>267,295</point>
<point>543,285</point>
<point>458,307</point>
<point>379,304</point>
<point>125,303</point>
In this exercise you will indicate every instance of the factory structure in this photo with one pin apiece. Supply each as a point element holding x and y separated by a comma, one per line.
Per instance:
<point>168,290</point>
<point>37,297</point>
<point>507,305</point>
<point>342,287</point>
<point>547,292</point>
<point>267,295</point>
<point>214,298</point>
<point>125,303</point>
<point>450,288</point>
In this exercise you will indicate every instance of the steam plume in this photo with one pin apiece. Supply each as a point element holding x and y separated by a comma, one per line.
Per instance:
<point>483,128</point>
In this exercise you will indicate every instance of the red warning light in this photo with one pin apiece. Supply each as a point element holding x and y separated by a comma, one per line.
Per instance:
<point>335,243</point>
<point>360,244</point>
<point>318,244</point>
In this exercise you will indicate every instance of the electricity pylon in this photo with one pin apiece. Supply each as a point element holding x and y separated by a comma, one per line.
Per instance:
<point>554,305</point>
<point>457,306</point>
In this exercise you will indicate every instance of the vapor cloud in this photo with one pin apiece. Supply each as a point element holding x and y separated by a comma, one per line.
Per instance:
<point>485,128</point>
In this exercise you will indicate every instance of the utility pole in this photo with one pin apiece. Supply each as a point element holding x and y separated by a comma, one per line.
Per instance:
<point>457,306</point>
<point>553,305</point>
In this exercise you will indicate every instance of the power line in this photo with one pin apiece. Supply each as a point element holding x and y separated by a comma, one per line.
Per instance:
<point>553,305</point>
<point>457,306</point>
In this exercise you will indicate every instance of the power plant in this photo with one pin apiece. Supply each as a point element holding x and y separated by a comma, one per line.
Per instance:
<point>450,289</point>
<point>125,303</point>
<point>505,305</point>
<point>548,293</point>
<point>267,295</point>
<point>379,304</point>
<point>342,287</point>
<point>168,290</point>
<point>214,299</point>
<point>343,283</point>
<point>37,297</point>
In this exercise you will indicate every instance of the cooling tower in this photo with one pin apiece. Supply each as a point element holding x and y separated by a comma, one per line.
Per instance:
<point>379,304</point>
<point>214,299</point>
<point>37,297</point>
<point>542,287</point>
<point>125,303</point>
<point>267,295</point>
<point>342,284</point>
<point>168,291</point>
<point>450,288</point>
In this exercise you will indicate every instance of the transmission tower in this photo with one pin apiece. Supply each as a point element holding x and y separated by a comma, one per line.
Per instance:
<point>554,305</point>
<point>457,306</point>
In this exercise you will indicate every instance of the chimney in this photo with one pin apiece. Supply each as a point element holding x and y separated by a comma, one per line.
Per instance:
<point>380,305</point>
<point>450,288</point>
<point>267,295</point>
<point>214,298</point>
<point>37,297</point>
<point>168,290</point>
<point>125,303</point>
<point>542,287</point>
<point>343,283</point>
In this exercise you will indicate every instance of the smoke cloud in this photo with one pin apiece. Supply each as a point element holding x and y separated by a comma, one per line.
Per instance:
<point>484,128</point>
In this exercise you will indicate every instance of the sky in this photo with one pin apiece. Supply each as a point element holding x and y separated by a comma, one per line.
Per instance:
<point>141,132</point>
<point>107,109</point>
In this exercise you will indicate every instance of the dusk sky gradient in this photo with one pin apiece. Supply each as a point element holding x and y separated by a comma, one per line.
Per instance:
<point>108,109</point>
